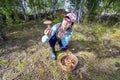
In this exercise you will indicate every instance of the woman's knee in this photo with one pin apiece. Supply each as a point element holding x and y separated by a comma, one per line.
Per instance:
<point>64,48</point>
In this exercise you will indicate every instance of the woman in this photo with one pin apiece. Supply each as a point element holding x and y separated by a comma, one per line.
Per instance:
<point>60,33</point>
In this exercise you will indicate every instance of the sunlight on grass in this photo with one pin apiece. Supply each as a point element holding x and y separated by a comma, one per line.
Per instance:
<point>115,61</point>
<point>78,36</point>
<point>4,62</point>
<point>42,71</point>
<point>116,36</point>
<point>107,65</point>
<point>89,41</point>
<point>22,66</point>
<point>87,55</point>
<point>60,55</point>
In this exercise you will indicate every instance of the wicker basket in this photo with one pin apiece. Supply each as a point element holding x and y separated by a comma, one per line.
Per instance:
<point>70,63</point>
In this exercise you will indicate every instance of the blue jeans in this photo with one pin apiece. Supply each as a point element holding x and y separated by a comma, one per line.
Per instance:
<point>53,41</point>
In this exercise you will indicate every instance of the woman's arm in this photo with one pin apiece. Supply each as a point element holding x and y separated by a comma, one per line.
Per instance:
<point>65,41</point>
<point>48,34</point>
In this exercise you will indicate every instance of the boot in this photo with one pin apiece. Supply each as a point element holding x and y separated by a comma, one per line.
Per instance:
<point>54,57</point>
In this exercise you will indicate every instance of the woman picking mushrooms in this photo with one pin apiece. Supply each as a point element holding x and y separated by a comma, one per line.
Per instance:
<point>61,33</point>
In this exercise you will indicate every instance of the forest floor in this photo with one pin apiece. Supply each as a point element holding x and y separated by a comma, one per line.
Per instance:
<point>24,57</point>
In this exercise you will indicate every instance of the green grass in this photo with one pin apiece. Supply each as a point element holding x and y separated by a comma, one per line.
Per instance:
<point>96,46</point>
<point>3,62</point>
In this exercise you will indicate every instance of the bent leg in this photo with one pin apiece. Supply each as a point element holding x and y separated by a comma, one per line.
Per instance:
<point>64,48</point>
<point>52,43</point>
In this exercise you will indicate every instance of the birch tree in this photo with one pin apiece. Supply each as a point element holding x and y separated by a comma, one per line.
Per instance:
<point>23,7</point>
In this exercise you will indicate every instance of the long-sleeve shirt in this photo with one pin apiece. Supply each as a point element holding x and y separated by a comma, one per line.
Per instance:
<point>65,41</point>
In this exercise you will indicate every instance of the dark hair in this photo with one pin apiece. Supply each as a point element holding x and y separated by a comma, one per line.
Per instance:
<point>72,23</point>
<point>66,17</point>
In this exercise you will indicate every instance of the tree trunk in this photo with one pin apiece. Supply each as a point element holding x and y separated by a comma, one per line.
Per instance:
<point>53,9</point>
<point>23,8</point>
<point>35,12</point>
<point>80,14</point>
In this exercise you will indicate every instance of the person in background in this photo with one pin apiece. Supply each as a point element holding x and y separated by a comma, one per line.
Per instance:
<point>61,33</point>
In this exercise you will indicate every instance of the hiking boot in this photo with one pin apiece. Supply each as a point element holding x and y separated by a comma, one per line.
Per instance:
<point>54,57</point>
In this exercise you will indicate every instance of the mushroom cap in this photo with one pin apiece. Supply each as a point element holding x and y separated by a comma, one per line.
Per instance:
<point>47,22</point>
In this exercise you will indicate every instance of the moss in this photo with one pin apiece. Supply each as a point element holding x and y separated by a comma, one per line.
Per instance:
<point>28,77</point>
<point>61,54</point>
<point>22,66</point>
<point>4,62</point>
<point>71,77</point>
<point>56,74</point>
<point>42,72</point>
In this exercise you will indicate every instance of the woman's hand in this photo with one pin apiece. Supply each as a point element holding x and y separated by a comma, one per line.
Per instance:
<point>61,35</point>
<point>48,32</point>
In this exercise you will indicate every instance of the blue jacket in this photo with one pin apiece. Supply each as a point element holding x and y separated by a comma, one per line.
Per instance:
<point>65,41</point>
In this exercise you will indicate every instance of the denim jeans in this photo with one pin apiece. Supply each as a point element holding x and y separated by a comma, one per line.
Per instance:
<point>53,41</point>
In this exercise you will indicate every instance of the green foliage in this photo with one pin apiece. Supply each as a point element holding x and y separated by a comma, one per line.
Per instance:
<point>8,20</point>
<point>22,66</point>
<point>92,6</point>
<point>57,19</point>
<point>8,7</point>
<point>17,19</point>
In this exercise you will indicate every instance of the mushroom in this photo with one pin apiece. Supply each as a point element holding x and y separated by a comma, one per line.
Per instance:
<point>47,22</point>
